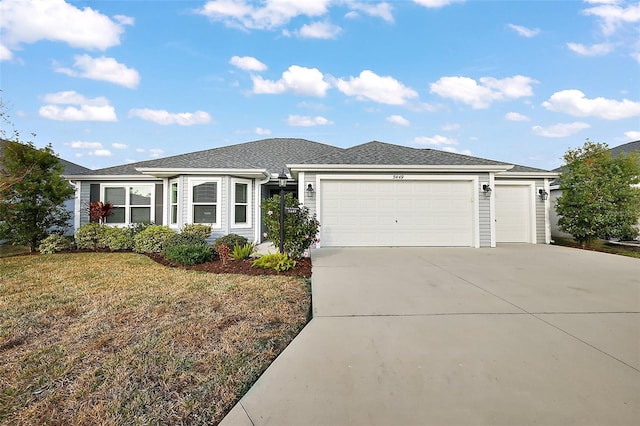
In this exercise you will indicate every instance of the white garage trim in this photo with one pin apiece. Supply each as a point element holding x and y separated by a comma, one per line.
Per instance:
<point>531,185</point>
<point>471,179</point>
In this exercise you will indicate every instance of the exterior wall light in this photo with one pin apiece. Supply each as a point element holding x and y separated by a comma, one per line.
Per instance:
<point>487,190</point>
<point>310,191</point>
<point>544,195</point>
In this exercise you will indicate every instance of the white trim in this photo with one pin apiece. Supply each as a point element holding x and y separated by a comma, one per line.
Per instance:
<point>165,184</point>
<point>532,203</point>
<point>547,214</point>
<point>171,172</point>
<point>77,186</point>
<point>472,179</point>
<point>218,203</point>
<point>233,203</point>
<point>169,204</point>
<point>398,167</point>
<point>110,178</point>
<point>528,175</point>
<point>492,211</point>
<point>301,188</point>
<point>127,206</point>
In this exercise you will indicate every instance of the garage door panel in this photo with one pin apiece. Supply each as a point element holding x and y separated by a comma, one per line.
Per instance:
<point>513,213</point>
<point>397,213</point>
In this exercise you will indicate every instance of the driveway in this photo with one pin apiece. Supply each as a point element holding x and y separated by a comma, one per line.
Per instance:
<point>519,334</point>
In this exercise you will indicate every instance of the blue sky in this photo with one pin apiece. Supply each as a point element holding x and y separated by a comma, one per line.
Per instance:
<point>109,82</point>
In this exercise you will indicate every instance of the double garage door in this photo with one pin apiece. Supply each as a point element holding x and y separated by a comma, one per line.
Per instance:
<point>397,213</point>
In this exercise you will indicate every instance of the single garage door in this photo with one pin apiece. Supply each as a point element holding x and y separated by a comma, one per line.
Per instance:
<point>513,213</point>
<point>396,213</point>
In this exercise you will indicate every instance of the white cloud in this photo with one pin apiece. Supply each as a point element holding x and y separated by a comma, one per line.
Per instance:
<point>560,130</point>
<point>165,118</point>
<point>524,31</point>
<point>155,152</point>
<point>101,153</point>
<point>437,140</point>
<point>481,94</point>
<point>598,49</point>
<point>104,69</point>
<point>452,149</point>
<point>381,10</point>
<point>85,109</point>
<point>247,63</point>
<point>613,15</point>
<point>633,135</point>
<point>307,121</point>
<point>261,131</point>
<point>117,145</point>
<point>449,127</point>
<point>436,3</point>
<point>399,120</point>
<point>298,80</point>
<point>516,116</point>
<point>272,14</point>
<point>320,30</point>
<point>384,90</point>
<point>5,53</point>
<point>84,145</point>
<point>574,102</point>
<point>58,21</point>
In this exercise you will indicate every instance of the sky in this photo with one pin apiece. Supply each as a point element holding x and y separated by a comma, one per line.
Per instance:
<point>108,82</point>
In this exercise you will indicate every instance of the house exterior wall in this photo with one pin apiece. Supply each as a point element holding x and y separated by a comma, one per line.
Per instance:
<point>484,210</point>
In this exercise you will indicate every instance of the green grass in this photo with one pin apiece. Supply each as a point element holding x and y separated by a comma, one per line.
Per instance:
<point>601,246</point>
<point>117,339</point>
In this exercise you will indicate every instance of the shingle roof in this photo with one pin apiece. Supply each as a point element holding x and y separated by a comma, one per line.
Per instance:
<point>69,167</point>
<point>375,152</point>
<point>271,154</point>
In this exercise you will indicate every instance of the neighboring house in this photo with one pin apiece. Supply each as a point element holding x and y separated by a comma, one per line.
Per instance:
<point>69,169</point>
<point>374,194</point>
<point>626,148</point>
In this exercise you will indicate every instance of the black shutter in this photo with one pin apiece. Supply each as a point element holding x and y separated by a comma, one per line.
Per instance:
<point>94,192</point>
<point>159,193</point>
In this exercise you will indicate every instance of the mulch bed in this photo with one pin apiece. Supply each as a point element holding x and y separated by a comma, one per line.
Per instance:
<point>242,267</point>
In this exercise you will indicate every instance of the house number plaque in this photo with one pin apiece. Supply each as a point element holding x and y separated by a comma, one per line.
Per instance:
<point>398,177</point>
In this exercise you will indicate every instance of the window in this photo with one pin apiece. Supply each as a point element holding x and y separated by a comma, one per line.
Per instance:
<point>173,219</point>
<point>205,195</point>
<point>241,197</point>
<point>131,203</point>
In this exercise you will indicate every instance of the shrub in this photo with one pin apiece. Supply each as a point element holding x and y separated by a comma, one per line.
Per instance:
<point>138,227</point>
<point>188,255</point>
<point>199,229</point>
<point>118,239</point>
<point>300,228</point>
<point>183,239</point>
<point>230,240</point>
<point>55,243</point>
<point>242,252</point>
<point>152,239</point>
<point>277,261</point>
<point>91,236</point>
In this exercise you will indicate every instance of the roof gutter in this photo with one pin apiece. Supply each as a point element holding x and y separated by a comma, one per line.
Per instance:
<point>494,168</point>
<point>164,172</point>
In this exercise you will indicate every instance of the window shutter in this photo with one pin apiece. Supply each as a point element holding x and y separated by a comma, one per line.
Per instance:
<point>94,192</point>
<point>159,191</point>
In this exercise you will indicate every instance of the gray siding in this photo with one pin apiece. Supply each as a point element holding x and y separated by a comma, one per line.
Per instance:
<point>310,202</point>
<point>541,215</point>
<point>484,206</point>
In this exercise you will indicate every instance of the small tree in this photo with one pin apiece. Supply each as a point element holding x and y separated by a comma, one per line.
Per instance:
<point>99,211</point>
<point>598,199</point>
<point>32,194</point>
<point>300,228</point>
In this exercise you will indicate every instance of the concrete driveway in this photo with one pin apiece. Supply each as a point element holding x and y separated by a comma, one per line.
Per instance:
<point>516,335</point>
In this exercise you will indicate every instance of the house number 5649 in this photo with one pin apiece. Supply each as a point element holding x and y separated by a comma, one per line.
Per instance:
<point>398,176</point>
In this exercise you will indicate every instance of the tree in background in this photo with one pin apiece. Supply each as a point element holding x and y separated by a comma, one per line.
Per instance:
<point>32,194</point>
<point>598,200</point>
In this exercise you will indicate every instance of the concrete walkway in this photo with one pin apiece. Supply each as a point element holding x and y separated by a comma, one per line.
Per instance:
<point>517,335</point>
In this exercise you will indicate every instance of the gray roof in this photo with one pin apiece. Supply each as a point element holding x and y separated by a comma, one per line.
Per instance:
<point>69,167</point>
<point>375,152</point>
<point>271,154</point>
<point>626,148</point>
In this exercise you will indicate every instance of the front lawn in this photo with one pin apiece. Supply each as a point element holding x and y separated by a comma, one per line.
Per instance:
<point>115,338</point>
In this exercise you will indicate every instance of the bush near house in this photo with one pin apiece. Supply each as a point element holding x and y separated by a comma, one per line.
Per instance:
<point>152,239</point>
<point>230,240</point>
<point>300,228</point>
<point>199,229</point>
<point>55,243</point>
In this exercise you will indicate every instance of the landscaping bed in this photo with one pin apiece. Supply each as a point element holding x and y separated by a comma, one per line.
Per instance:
<point>243,267</point>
